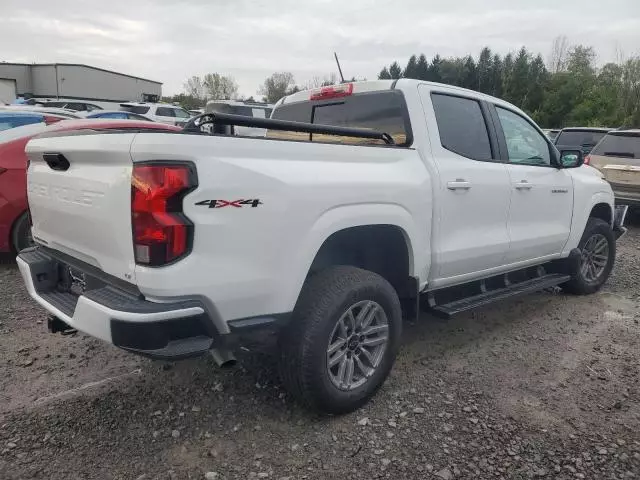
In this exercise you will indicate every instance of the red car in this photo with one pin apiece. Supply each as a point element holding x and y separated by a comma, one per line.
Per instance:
<point>14,222</point>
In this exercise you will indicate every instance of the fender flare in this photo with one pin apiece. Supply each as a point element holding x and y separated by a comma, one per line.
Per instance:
<point>348,216</point>
<point>580,218</point>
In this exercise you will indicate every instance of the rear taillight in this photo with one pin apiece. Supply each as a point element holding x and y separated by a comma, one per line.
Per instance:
<point>587,160</point>
<point>161,232</point>
<point>333,91</point>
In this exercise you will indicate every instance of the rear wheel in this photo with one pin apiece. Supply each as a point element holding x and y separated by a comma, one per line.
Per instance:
<point>21,234</point>
<point>342,340</point>
<point>597,255</point>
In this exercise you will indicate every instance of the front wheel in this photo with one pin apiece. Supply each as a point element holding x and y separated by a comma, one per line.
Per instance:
<point>597,255</point>
<point>342,340</point>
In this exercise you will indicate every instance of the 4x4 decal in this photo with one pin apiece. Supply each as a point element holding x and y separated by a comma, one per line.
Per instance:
<point>254,202</point>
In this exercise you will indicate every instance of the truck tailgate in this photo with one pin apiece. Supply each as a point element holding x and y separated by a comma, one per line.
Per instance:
<point>79,191</point>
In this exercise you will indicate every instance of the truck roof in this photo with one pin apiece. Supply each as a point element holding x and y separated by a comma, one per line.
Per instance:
<point>380,85</point>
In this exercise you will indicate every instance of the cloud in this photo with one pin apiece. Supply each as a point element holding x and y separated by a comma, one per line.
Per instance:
<point>170,40</point>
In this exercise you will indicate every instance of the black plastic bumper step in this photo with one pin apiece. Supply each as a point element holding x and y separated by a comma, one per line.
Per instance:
<point>447,310</point>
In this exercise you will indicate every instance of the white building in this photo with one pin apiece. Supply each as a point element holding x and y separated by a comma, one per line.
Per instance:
<point>72,81</point>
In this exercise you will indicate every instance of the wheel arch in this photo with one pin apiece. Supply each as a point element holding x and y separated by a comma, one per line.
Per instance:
<point>600,205</point>
<point>336,234</point>
<point>603,211</point>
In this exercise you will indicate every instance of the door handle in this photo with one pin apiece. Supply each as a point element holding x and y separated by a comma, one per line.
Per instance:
<point>523,185</point>
<point>459,184</point>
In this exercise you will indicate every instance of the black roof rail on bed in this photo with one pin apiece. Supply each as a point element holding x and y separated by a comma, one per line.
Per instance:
<point>193,126</point>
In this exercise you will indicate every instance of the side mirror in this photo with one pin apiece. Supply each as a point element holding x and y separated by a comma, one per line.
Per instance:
<point>571,158</point>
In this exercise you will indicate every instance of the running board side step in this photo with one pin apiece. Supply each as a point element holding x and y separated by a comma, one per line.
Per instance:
<point>447,310</point>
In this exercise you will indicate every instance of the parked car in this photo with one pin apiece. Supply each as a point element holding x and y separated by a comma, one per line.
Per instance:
<point>158,112</point>
<point>61,112</point>
<point>552,133</point>
<point>12,119</point>
<point>14,222</point>
<point>118,114</point>
<point>244,108</point>
<point>76,106</point>
<point>583,138</point>
<point>392,194</point>
<point>617,156</point>
<point>196,112</point>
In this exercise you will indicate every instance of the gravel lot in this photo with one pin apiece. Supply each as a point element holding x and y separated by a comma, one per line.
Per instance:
<point>542,387</point>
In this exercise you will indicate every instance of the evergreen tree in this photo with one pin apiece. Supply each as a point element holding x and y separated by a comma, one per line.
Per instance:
<point>384,74</point>
<point>411,70</point>
<point>573,93</point>
<point>485,83</point>
<point>395,71</point>
<point>422,68</point>
<point>434,74</point>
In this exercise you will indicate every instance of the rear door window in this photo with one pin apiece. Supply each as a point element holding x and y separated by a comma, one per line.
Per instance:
<point>462,126</point>
<point>619,144</point>
<point>380,111</point>
<point>165,112</point>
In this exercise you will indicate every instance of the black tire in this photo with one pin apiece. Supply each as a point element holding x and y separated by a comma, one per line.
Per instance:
<point>579,285</point>
<point>21,234</point>
<point>325,297</point>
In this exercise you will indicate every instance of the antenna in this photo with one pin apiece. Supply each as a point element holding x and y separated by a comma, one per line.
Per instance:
<point>339,69</point>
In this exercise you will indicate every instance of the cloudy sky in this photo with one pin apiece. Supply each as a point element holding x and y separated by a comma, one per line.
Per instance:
<point>170,40</point>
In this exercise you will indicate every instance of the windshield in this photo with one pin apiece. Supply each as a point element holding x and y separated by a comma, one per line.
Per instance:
<point>579,137</point>
<point>619,145</point>
<point>379,111</point>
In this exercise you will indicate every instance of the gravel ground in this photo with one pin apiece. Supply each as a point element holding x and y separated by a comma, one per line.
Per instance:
<point>542,387</point>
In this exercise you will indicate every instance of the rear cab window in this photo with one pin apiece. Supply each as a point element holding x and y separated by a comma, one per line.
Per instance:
<point>381,111</point>
<point>619,144</point>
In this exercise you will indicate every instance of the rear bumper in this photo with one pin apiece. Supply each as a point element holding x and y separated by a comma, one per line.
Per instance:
<point>171,330</point>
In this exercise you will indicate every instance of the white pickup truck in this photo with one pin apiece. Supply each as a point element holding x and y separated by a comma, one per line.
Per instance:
<point>365,201</point>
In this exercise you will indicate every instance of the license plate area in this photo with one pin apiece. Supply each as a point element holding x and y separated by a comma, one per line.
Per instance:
<point>71,280</point>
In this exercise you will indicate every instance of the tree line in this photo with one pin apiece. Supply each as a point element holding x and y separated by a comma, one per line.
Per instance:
<point>214,86</point>
<point>568,90</point>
